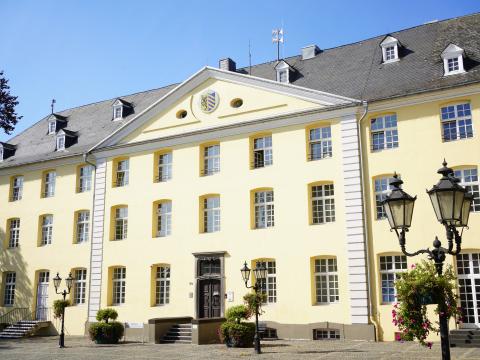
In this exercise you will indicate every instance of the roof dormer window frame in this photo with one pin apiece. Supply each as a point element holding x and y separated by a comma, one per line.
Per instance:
<point>453,58</point>
<point>52,126</point>
<point>387,44</point>
<point>60,141</point>
<point>117,111</point>
<point>283,72</point>
<point>1,152</point>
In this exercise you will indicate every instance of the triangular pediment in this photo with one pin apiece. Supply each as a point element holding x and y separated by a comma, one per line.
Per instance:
<point>214,98</point>
<point>452,49</point>
<point>389,40</point>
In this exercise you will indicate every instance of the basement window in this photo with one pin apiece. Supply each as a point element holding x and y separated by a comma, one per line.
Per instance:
<point>326,334</point>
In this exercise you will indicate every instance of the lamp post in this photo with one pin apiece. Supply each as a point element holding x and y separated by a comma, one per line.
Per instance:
<point>56,282</point>
<point>451,204</point>
<point>260,274</point>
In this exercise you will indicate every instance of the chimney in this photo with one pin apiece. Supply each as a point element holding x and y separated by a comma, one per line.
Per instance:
<point>310,51</point>
<point>227,64</point>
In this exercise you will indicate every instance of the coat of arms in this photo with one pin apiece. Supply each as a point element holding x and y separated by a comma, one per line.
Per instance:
<point>209,101</point>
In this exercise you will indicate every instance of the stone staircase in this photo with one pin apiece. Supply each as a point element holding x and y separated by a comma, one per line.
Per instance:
<point>465,338</point>
<point>180,333</point>
<point>21,329</point>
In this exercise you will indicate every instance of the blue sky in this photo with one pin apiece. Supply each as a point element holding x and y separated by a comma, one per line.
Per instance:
<point>83,51</point>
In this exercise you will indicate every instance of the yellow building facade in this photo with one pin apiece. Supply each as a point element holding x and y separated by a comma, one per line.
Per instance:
<point>156,215</point>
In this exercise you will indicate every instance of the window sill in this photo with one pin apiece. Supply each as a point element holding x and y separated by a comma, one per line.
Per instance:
<point>326,304</point>
<point>376,151</point>
<point>457,139</point>
<point>324,223</point>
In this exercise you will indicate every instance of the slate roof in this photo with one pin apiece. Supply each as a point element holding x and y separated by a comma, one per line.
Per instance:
<point>355,70</point>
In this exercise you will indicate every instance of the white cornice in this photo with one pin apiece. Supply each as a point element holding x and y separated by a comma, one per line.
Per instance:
<point>42,165</point>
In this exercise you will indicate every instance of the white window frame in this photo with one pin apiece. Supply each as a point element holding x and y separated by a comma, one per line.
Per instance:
<point>165,166</point>
<point>122,173</point>
<point>323,203</point>
<point>390,268</point>
<point>468,274</point>
<point>164,218</point>
<point>458,119</point>
<point>115,110</point>
<point>14,233</point>
<point>49,184</point>
<point>83,226</point>
<point>452,52</point>
<point>264,209</point>
<point>118,285</point>
<point>469,179</point>
<point>382,188</point>
<point>268,286</point>
<point>17,188</point>
<point>262,151</point>
<point>389,134</point>
<point>61,142</point>
<point>325,274</point>
<point>85,178</point>
<point>162,285</point>
<point>387,44</point>
<point>326,334</point>
<point>320,139</point>
<point>121,223</point>
<point>211,214</point>
<point>9,289</point>
<point>52,127</point>
<point>211,159</point>
<point>47,230</point>
<point>80,286</point>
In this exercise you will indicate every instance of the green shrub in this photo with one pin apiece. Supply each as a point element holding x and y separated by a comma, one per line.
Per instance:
<point>106,314</point>
<point>252,299</point>
<point>106,333</point>
<point>237,334</point>
<point>238,313</point>
<point>58,306</point>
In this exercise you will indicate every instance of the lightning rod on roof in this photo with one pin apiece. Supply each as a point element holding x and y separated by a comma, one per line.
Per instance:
<point>53,104</point>
<point>277,37</point>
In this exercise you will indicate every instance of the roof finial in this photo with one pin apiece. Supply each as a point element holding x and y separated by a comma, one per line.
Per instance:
<point>277,37</point>
<point>53,104</point>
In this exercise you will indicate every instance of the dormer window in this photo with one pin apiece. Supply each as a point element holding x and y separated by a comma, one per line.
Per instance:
<point>61,142</point>
<point>1,153</point>
<point>6,151</point>
<point>56,122</point>
<point>453,57</point>
<point>52,127</point>
<point>390,46</point>
<point>283,72</point>
<point>121,109</point>
<point>64,139</point>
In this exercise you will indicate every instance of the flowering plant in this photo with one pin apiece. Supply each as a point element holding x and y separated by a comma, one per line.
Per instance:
<point>415,290</point>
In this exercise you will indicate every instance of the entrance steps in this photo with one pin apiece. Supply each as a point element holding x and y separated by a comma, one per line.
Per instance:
<point>22,329</point>
<point>180,333</point>
<point>465,338</point>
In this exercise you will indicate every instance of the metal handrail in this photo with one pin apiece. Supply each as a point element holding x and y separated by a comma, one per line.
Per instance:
<point>15,315</point>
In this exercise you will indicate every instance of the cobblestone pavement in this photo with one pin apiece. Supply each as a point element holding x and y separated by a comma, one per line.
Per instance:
<point>41,348</point>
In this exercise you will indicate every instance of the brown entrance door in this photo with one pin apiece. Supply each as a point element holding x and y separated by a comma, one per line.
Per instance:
<point>209,305</point>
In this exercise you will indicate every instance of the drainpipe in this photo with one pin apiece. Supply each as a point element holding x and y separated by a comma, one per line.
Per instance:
<point>365,222</point>
<point>85,159</point>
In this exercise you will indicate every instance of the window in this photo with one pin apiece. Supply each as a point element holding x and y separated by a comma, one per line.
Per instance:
<point>326,281</point>
<point>236,103</point>
<point>320,143</point>
<point>469,179</point>
<point>9,293</point>
<point>262,152</point>
<point>47,230</point>
<point>83,219</point>
<point>1,153</point>
<point>117,112</point>
<point>85,178</point>
<point>60,142</point>
<point>468,269</point>
<point>453,59</point>
<point>211,214</point>
<point>457,122</point>
<point>49,184</point>
<point>14,233</point>
<point>211,159</point>
<point>326,334</point>
<point>390,46</point>
<point>390,269</point>
<point>122,173</point>
<point>17,188</point>
<point>323,204</point>
<point>382,189</point>
<point>283,76</point>
<point>268,286</point>
<point>162,285</point>
<point>121,223</point>
<point>453,64</point>
<point>390,53</point>
<point>164,218</point>
<point>264,209</point>
<point>209,266</point>
<point>384,132</point>
<point>164,167</point>
<point>181,114</point>
<point>283,72</point>
<point>79,286</point>
<point>52,125</point>
<point>118,282</point>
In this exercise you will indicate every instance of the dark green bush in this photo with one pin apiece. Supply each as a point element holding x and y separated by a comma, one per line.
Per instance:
<point>58,306</point>
<point>106,333</point>
<point>238,313</point>
<point>237,334</point>
<point>107,314</point>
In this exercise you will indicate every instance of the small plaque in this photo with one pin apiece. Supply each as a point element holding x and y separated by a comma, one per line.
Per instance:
<point>230,296</point>
<point>134,325</point>
<point>190,295</point>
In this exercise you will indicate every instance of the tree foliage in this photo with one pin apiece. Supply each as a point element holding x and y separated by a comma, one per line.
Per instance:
<point>8,116</point>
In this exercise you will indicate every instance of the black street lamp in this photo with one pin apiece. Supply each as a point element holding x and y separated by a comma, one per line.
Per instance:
<point>69,282</point>
<point>260,273</point>
<point>451,204</point>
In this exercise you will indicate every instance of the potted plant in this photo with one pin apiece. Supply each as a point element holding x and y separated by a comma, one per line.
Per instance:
<point>58,306</point>
<point>105,331</point>
<point>237,333</point>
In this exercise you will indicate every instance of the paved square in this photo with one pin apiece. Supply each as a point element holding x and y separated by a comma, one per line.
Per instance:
<point>41,348</point>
